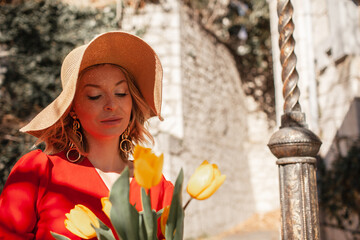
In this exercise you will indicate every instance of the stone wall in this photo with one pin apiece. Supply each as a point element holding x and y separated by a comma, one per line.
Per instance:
<point>336,45</point>
<point>337,69</point>
<point>215,128</point>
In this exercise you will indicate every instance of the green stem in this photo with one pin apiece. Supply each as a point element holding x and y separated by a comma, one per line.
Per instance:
<point>187,203</point>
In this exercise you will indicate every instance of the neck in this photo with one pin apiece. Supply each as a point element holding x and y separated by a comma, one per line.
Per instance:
<point>104,154</point>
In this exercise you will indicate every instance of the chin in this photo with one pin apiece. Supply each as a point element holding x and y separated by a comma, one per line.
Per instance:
<point>110,135</point>
<point>105,135</point>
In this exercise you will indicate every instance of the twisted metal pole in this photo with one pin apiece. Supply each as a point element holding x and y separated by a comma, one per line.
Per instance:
<point>288,59</point>
<point>294,145</point>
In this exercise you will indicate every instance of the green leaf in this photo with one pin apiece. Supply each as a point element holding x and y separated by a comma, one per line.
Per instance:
<point>155,224</point>
<point>59,237</point>
<point>158,214</point>
<point>175,223</point>
<point>179,230</point>
<point>149,216</point>
<point>123,215</point>
<point>103,232</point>
<point>103,225</point>
<point>142,228</point>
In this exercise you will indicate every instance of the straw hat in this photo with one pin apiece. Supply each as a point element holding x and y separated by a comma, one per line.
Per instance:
<point>120,48</point>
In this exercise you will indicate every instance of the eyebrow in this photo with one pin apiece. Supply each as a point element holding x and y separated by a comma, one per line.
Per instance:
<point>98,86</point>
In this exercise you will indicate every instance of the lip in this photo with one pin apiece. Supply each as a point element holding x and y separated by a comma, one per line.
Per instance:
<point>111,120</point>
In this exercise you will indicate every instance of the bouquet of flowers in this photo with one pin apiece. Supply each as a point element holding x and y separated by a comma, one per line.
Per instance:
<point>130,224</point>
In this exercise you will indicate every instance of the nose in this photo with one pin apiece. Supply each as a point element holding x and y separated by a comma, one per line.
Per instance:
<point>109,104</point>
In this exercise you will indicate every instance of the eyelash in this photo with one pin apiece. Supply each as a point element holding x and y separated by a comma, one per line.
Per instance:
<point>121,94</point>
<point>98,96</point>
<point>94,97</point>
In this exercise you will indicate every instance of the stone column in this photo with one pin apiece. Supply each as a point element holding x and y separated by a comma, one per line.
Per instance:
<point>294,145</point>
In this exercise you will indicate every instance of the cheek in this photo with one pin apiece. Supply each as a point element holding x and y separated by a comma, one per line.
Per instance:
<point>83,114</point>
<point>82,110</point>
<point>125,104</point>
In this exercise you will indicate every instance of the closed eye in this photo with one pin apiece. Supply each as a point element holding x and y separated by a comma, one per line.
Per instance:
<point>121,94</point>
<point>94,97</point>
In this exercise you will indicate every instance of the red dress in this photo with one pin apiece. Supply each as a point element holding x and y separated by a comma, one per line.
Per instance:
<point>42,188</point>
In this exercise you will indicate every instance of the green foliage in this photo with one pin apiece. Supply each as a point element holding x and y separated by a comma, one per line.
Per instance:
<point>34,38</point>
<point>59,237</point>
<point>124,216</point>
<point>103,232</point>
<point>130,224</point>
<point>38,35</point>
<point>339,194</point>
<point>175,224</point>
<point>149,217</point>
<point>254,53</point>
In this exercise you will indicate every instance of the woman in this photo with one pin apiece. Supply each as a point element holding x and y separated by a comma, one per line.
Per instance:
<point>111,86</point>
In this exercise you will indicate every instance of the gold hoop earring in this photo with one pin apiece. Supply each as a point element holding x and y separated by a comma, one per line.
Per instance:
<point>126,145</point>
<point>72,147</point>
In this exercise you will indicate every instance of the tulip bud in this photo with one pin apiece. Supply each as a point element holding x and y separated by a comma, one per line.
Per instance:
<point>205,181</point>
<point>106,206</point>
<point>147,167</point>
<point>79,221</point>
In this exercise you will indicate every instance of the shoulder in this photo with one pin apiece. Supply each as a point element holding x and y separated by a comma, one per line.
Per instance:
<point>32,159</point>
<point>38,158</point>
<point>30,164</point>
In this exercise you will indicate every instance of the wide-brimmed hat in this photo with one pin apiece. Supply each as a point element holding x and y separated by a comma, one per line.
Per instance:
<point>120,48</point>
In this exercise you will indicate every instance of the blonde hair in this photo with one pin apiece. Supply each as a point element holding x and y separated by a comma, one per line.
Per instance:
<point>58,137</point>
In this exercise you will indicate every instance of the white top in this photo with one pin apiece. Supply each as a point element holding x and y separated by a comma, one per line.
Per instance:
<point>109,178</point>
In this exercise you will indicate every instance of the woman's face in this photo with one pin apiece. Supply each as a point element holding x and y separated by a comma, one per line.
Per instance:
<point>103,102</point>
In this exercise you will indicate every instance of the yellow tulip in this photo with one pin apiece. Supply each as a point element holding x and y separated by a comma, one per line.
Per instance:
<point>147,167</point>
<point>79,221</point>
<point>164,218</point>
<point>106,205</point>
<point>205,181</point>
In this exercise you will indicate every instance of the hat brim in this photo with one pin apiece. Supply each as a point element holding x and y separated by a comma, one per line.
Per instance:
<point>120,48</point>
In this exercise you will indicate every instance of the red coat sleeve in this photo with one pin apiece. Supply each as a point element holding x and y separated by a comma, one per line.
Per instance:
<point>18,200</point>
